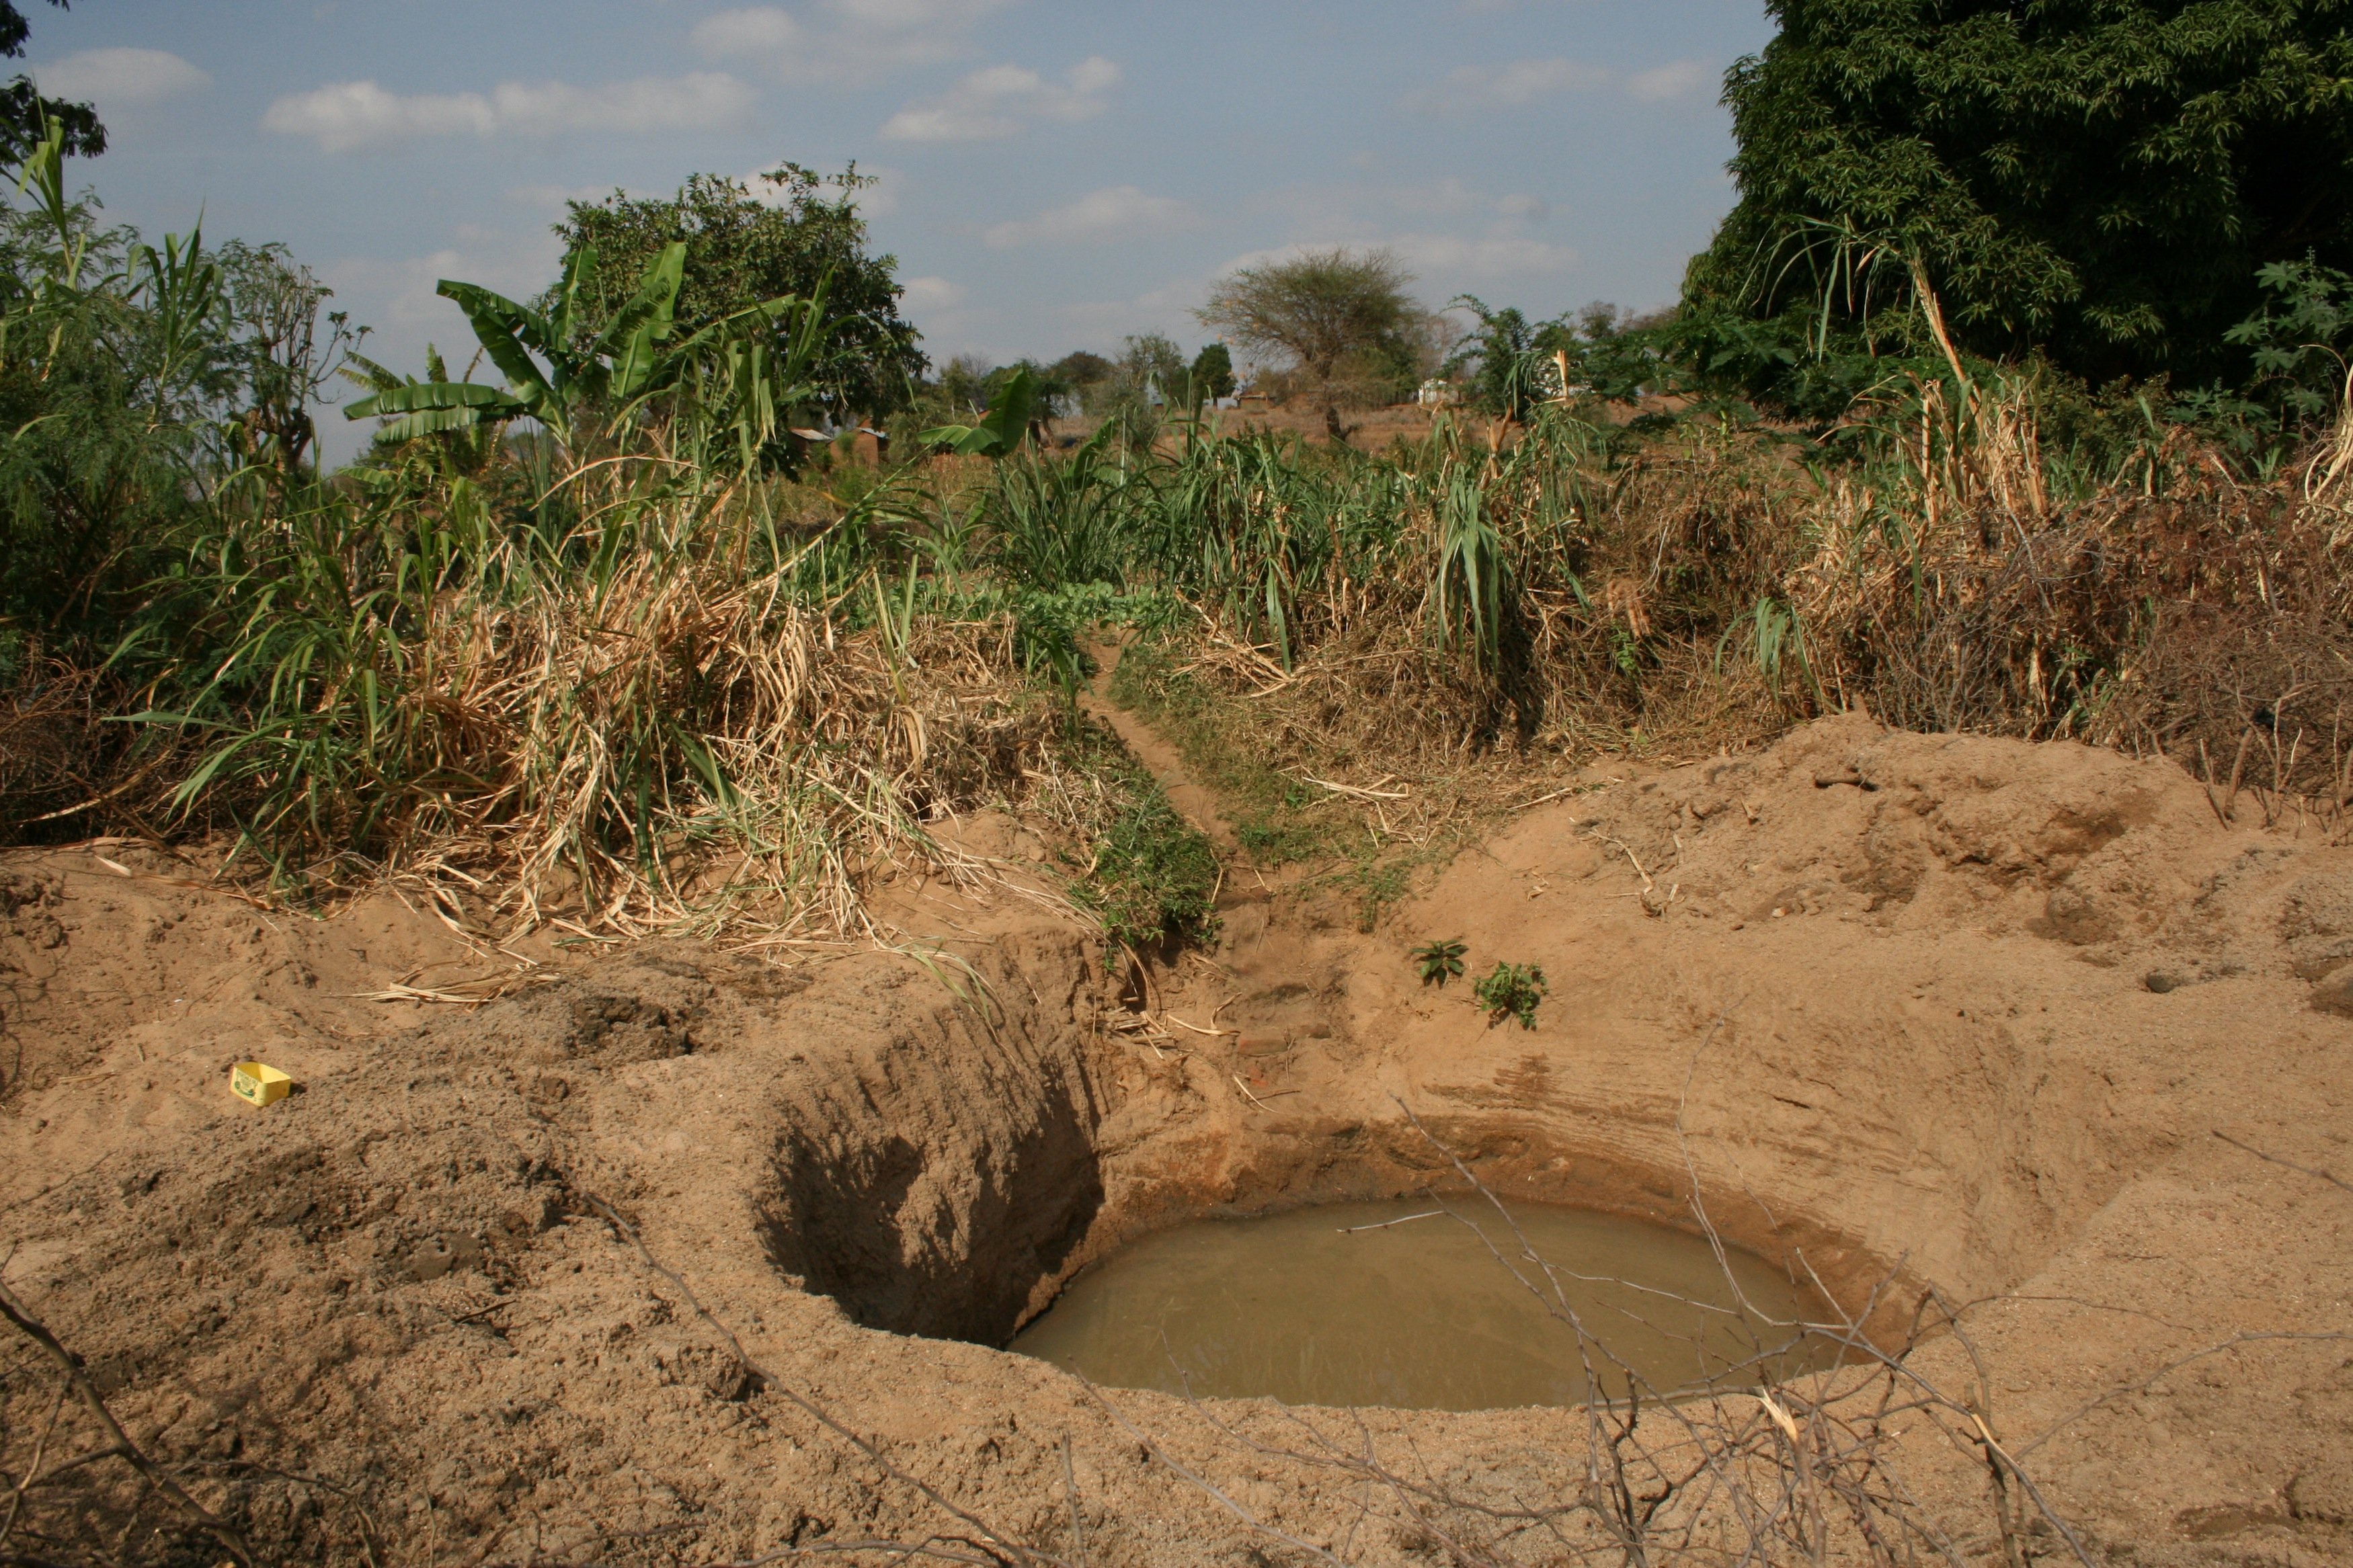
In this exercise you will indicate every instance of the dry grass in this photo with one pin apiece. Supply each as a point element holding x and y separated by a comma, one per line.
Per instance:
<point>657,714</point>
<point>1709,592</point>
<point>665,699</point>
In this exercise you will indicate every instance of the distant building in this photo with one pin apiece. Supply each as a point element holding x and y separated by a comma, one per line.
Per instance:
<point>1438,392</point>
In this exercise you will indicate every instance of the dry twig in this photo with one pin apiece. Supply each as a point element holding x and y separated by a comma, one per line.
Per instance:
<point>118,1444</point>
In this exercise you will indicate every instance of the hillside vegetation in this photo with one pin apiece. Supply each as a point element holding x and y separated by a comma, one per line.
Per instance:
<point>630,638</point>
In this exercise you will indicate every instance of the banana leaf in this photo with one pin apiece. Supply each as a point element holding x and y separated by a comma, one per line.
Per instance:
<point>1001,429</point>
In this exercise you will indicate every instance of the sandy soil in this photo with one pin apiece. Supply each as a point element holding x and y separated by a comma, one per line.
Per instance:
<point>2013,1024</point>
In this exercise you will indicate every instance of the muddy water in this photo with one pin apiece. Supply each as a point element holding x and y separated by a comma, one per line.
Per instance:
<point>1312,1308</point>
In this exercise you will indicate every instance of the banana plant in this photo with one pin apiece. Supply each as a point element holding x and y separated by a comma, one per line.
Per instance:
<point>581,386</point>
<point>463,453</point>
<point>999,430</point>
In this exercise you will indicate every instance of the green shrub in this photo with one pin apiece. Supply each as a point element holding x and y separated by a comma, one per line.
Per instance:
<point>1513,991</point>
<point>1439,962</point>
<point>2298,338</point>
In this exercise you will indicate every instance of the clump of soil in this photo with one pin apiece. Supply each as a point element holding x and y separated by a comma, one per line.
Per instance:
<point>2022,1028</point>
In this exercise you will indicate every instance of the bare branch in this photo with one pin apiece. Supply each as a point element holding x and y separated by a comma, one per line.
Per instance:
<point>121,1446</point>
<point>2333,1180</point>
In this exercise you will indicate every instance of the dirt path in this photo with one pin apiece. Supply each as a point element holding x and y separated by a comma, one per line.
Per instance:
<point>1195,802</point>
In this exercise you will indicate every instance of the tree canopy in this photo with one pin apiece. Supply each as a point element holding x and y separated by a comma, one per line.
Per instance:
<point>22,107</point>
<point>1503,360</point>
<point>1342,318</point>
<point>1149,363</point>
<point>743,248</point>
<point>2098,179</point>
<point>1213,371</point>
<point>1081,369</point>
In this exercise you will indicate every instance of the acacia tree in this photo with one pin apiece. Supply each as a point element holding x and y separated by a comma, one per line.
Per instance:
<point>1341,318</point>
<point>2098,179</point>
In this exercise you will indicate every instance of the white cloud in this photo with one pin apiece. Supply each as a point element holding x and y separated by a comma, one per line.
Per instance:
<point>762,30</point>
<point>1448,256</point>
<point>906,15</point>
<point>881,198</point>
<point>354,115</point>
<point>1358,214</point>
<point>854,40</point>
<point>1449,196</point>
<point>109,77</point>
<point>931,293</point>
<point>1167,309</point>
<point>550,197</point>
<point>683,103</point>
<point>1354,207</point>
<point>1670,80</point>
<point>1470,88</point>
<point>1000,100</point>
<point>1116,212</point>
<point>1094,75</point>
<point>398,297</point>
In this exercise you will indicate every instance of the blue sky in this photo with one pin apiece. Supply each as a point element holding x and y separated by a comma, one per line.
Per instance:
<point>1055,174</point>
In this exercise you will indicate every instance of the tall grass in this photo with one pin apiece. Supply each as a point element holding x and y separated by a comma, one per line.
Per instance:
<point>646,705</point>
<point>641,690</point>
<point>1938,559</point>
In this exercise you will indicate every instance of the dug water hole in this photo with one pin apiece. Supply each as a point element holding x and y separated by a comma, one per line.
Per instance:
<point>1394,1304</point>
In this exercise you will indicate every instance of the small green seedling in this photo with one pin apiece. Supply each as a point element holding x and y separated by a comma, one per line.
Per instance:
<point>1513,991</point>
<point>1441,962</point>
